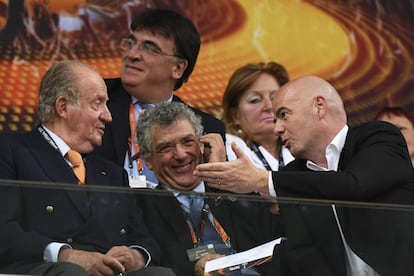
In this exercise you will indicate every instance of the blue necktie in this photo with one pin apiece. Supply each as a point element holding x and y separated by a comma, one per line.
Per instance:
<point>196,207</point>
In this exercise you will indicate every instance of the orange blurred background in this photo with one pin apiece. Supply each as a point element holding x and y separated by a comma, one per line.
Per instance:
<point>364,48</point>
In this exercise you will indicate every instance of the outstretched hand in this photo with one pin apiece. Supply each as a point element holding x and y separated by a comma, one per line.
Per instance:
<point>239,176</point>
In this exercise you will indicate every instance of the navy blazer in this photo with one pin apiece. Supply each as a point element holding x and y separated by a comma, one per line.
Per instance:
<point>115,139</point>
<point>374,166</point>
<point>33,215</point>
<point>248,223</point>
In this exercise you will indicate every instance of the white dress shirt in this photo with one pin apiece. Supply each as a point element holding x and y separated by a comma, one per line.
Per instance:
<point>271,160</point>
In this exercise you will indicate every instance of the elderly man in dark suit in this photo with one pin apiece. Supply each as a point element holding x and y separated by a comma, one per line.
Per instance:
<point>171,140</point>
<point>333,162</point>
<point>69,229</point>
<point>159,56</point>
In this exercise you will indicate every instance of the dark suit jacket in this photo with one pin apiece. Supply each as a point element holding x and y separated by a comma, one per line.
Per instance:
<point>115,139</point>
<point>33,216</point>
<point>248,223</point>
<point>374,166</point>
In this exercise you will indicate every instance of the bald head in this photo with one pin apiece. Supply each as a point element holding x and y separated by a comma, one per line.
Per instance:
<point>311,89</point>
<point>309,113</point>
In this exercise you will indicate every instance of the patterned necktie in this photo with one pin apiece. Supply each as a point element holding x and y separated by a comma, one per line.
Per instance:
<point>78,166</point>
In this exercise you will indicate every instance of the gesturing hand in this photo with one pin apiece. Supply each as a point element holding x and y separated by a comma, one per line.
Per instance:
<point>240,175</point>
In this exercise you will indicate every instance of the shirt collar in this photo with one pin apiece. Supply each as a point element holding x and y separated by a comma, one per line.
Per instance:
<point>142,105</point>
<point>198,189</point>
<point>332,152</point>
<point>62,146</point>
<point>183,197</point>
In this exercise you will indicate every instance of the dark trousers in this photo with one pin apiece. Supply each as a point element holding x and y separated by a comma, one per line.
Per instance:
<point>70,269</point>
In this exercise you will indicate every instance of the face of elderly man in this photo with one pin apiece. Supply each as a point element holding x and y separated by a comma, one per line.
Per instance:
<point>86,120</point>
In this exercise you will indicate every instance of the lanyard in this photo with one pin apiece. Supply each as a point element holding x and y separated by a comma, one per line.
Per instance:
<point>206,214</point>
<point>259,154</point>
<point>48,138</point>
<point>132,141</point>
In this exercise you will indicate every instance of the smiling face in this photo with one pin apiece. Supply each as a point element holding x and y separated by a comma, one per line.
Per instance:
<point>176,153</point>
<point>143,70</point>
<point>254,113</point>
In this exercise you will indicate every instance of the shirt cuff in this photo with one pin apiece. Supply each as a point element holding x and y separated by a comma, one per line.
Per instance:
<point>51,252</point>
<point>271,186</point>
<point>147,255</point>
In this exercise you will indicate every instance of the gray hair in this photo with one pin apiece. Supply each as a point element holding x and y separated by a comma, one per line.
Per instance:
<point>60,79</point>
<point>163,115</point>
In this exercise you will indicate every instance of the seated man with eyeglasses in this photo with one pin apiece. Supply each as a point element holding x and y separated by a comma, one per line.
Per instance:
<point>191,222</point>
<point>158,57</point>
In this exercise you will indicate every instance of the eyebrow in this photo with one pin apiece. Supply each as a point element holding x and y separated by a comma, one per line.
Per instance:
<point>183,138</point>
<point>131,36</point>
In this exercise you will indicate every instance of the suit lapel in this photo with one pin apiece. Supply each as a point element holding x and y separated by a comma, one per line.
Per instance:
<point>56,169</point>
<point>319,225</point>
<point>49,159</point>
<point>97,174</point>
<point>168,208</point>
<point>119,106</point>
<point>347,151</point>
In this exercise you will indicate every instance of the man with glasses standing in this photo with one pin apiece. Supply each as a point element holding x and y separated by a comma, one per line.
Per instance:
<point>159,56</point>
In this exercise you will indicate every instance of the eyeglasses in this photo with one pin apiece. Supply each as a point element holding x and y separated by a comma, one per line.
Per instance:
<point>146,46</point>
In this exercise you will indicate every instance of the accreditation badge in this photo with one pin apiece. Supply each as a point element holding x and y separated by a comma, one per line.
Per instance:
<point>200,251</point>
<point>137,181</point>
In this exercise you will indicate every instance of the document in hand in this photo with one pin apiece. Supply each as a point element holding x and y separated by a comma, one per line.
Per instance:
<point>249,258</point>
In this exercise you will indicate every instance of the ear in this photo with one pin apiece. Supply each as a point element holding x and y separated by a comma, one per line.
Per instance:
<point>320,106</point>
<point>179,68</point>
<point>61,107</point>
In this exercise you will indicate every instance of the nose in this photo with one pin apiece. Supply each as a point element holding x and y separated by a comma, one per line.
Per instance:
<point>267,104</point>
<point>279,128</point>
<point>179,151</point>
<point>134,52</point>
<point>106,115</point>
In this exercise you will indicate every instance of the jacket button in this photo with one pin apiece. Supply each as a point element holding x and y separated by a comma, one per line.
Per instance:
<point>49,209</point>
<point>69,240</point>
